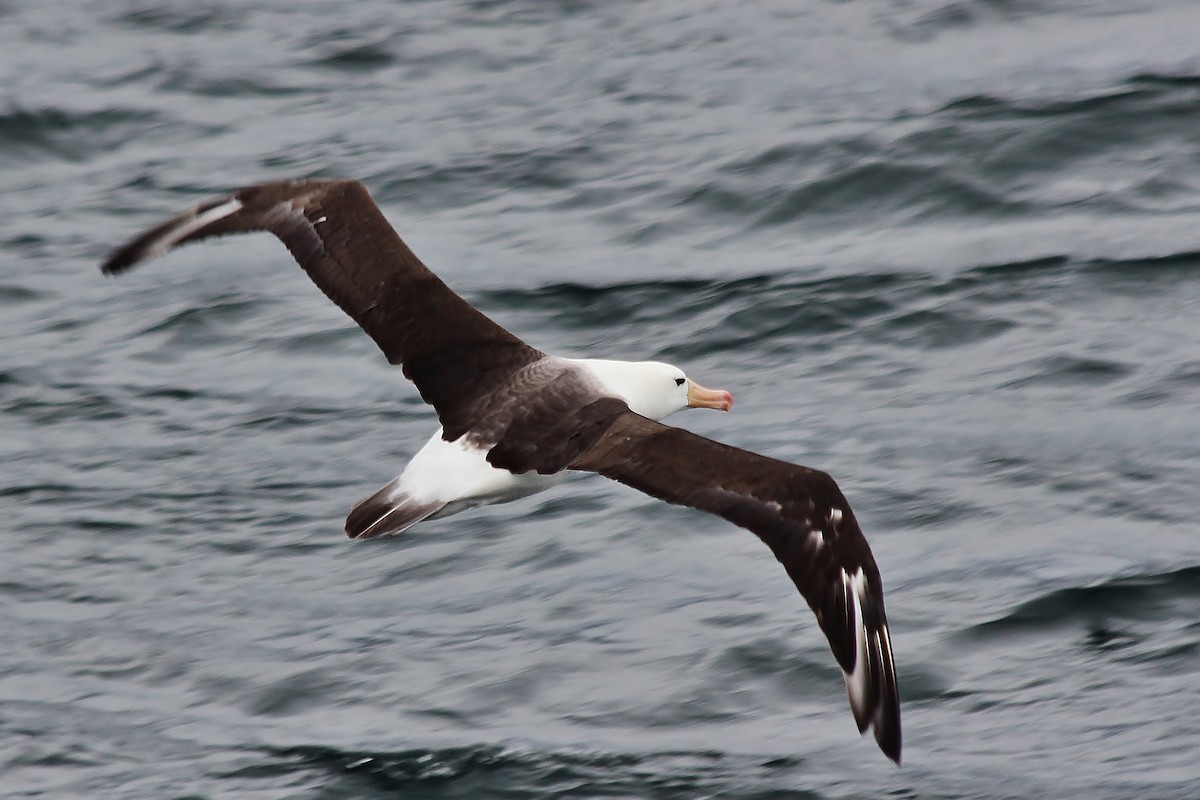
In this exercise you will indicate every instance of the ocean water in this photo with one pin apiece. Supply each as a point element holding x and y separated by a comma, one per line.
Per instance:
<point>948,252</point>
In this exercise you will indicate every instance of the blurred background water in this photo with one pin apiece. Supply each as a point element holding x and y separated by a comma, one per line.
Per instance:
<point>947,251</point>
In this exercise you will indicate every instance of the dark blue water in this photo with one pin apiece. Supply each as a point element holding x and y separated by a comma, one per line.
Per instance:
<point>947,251</point>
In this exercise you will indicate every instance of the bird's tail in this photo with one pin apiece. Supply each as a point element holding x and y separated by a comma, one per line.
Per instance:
<point>389,511</point>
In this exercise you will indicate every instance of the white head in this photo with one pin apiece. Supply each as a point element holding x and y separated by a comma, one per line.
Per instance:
<point>653,389</point>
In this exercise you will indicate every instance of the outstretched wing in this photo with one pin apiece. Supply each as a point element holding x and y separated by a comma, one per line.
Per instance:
<point>801,515</point>
<point>452,352</point>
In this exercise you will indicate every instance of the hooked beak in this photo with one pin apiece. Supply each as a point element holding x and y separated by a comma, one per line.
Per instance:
<point>699,397</point>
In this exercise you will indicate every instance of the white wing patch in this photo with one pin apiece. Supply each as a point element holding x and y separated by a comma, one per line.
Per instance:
<point>854,587</point>
<point>883,649</point>
<point>172,237</point>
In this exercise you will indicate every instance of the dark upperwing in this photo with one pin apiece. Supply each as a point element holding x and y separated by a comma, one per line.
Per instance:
<point>453,353</point>
<point>799,512</point>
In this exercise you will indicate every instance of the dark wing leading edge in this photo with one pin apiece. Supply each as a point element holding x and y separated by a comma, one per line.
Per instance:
<point>453,353</point>
<point>800,513</point>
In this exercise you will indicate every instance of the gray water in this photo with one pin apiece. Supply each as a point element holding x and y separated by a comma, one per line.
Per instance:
<point>947,251</point>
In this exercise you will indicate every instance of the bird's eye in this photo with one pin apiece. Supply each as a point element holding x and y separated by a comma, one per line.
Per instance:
<point>680,381</point>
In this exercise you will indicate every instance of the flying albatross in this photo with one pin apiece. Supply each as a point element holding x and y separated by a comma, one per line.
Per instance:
<point>514,420</point>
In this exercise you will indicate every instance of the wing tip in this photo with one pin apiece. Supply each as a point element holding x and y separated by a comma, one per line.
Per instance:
<point>191,224</point>
<point>871,684</point>
<point>883,720</point>
<point>887,736</point>
<point>877,711</point>
<point>122,260</point>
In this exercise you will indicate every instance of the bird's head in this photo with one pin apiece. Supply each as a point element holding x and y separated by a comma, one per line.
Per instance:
<point>655,390</point>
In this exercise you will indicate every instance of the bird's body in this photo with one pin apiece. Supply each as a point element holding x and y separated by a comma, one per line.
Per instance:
<point>515,421</point>
<point>446,477</point>
<point>443,478</point>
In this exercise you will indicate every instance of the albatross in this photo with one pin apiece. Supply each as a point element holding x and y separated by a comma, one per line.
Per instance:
<point>515,420</point>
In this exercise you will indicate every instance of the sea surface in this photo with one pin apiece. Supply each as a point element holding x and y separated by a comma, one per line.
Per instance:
<point>948,252</point>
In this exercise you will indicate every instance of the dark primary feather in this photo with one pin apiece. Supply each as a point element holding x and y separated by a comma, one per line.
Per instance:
<point>454,354</point>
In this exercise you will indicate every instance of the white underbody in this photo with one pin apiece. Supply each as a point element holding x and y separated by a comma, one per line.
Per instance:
<point>458,474</point>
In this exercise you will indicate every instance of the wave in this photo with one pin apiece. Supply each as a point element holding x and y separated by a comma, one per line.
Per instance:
<point>52,405</point>
<point>356,56</point>
<point>1070,370</point>
<point>184,18</point>
<point>58,133</point>
<point>976,157</point>
<point>481,177</point>
<point>1131,598</point>
<point>515,772</point>
<point>12,294</point>
<point>902,183</point>
<point>204,325</point>
<point>917,310</point>
<point>187,79</point>
<point>1120,97</point>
